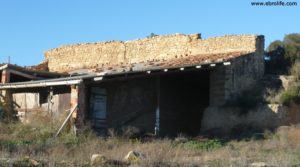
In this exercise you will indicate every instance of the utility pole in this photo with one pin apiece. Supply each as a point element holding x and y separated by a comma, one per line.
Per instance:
<point>8,60</point>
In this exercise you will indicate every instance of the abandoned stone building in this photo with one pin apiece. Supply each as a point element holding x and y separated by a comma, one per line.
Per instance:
<point>161,85</point>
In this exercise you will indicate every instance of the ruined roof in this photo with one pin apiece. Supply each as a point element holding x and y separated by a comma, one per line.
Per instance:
<point>180,62</point>
<point>29,72</point>
<point>156,52</point>
<point>103,76</point>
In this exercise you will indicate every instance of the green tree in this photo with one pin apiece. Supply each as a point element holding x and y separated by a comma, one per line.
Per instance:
<point>292,47</point>
<point>288,49</point>
<point>275,45</point>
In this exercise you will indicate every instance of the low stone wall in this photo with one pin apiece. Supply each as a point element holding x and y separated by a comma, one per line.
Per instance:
<point>107,54</point>
<point>271,116</point>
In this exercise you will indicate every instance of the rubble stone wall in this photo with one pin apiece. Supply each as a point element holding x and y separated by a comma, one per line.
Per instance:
<point>265,116</point>
<point>107,54</point>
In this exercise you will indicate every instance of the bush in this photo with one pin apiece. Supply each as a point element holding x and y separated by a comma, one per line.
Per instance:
<point>295,72</point>
<point>291,95</point>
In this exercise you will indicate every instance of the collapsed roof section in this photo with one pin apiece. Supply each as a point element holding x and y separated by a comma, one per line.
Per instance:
<point>19,74</point>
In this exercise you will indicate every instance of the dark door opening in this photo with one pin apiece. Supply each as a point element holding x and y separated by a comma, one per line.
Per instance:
<point>183,98</point>
<point>97,109</point>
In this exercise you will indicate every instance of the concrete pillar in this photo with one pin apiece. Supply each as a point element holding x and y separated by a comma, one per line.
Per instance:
<point>78,97</point>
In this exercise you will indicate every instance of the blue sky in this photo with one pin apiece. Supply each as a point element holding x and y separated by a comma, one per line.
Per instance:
<point>29,28</point>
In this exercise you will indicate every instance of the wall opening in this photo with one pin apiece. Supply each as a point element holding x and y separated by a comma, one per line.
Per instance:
<point>183,98</point>
<point>130,104</point>
<point>97,109</point>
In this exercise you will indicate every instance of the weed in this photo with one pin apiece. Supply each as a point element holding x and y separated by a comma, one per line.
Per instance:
<point>204,145</point>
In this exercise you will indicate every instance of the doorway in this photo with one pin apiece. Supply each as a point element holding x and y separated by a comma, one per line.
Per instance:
<point>183,98</point>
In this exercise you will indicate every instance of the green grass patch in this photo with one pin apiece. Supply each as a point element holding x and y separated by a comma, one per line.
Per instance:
<point>204,145</point>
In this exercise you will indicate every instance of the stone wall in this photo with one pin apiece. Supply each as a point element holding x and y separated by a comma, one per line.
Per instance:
<point>225,119</point>
<point>108,54</point>
<point>228,82</point>
<point>27,100</point>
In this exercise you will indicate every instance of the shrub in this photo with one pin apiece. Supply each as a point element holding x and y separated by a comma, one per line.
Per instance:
<point>295,72</point>
<point>290,95</point>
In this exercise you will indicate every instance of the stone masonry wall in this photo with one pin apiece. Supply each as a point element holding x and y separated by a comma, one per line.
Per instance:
<point>223,120</point>
<point>107,54</point>
<point>228,82</point>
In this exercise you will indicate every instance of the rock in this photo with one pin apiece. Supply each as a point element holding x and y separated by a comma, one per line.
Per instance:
<point>181,139</point>
<point>134,156</point>
<point>30,161</point>
<point>134,165</point>
<point>98,159</point>
<point>34,162</point>
<point>259,164</point>
<point>286,81</point>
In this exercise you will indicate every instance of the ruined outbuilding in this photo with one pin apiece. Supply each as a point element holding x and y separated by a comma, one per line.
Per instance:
<point>160,85</point>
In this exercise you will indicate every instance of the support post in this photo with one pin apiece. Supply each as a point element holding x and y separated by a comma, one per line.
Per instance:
<point>50,102</point>
<point>7,94</point>
<point>5,76</point>
<point>78,97</point>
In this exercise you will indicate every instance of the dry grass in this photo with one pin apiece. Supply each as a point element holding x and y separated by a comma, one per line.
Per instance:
<point>35,140</point>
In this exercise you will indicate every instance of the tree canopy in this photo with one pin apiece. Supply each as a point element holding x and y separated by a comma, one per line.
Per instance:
<point>290,45</point>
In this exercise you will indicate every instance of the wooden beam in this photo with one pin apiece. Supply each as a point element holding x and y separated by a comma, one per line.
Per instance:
<point>4,67</point>
<point>22,74</point>
<point>66,120</point>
